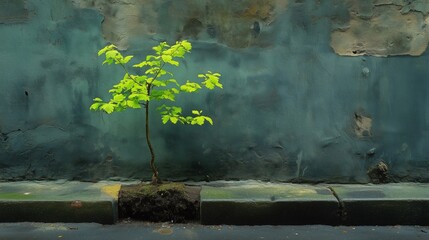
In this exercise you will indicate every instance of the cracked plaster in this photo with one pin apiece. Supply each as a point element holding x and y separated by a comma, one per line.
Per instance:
<point>236,24</point>
<point>383,28</point>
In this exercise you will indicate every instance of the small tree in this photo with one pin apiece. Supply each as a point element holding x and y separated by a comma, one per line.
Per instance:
<point>155,83</point>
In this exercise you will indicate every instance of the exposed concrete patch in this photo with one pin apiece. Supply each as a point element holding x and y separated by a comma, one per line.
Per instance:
<point>362,126</point>
<point>237,24</point>
<point>383,28</point>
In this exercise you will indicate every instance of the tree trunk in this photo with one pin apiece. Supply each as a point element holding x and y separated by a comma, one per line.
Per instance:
<point>155,176</point>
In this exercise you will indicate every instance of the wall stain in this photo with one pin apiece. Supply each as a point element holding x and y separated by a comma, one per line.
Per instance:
<point>383,28</point>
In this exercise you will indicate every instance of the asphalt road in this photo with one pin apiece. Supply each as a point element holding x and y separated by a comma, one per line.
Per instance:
<point>150,231</point>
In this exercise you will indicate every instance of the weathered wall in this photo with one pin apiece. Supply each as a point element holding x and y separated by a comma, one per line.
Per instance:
<point>313,90</point>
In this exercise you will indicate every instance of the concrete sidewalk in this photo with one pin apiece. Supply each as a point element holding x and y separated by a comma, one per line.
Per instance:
<point>235,203</point>
<point>292,204</point>
<point>59,201</point>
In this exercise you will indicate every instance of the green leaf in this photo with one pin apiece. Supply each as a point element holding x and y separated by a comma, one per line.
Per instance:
<point>149,57</point>
<point>158,83</point>
<point>163,72</point>
<point>157,49</point>
<point>108,61</point>
<point>128,84</point>
<point>141,79</point>
<point>208,119</point>
<point>196,112</point>
<point>112,54</point>
<point>209,85</point>
<point>165,119</point>
<point>174,63</point>
<point>97,100</point>
<point>118,98</point>
<point>144,97</point>
<point>108,108</point>
<point>152,71</point>
<point>211,80</point>
<point>140,65</point>
<point>188,120</point>
<point>173,81</point>
<point>190,87</point>
<point>176,110</point>
<point>95,106</point>
<point>174,120</point>
<point>179,52</point>
<point>198,120</point>
<point>126,59</point>
<point>139,97</point>
<point>166,58</point>
<point>133,104</point>
<point>105,49</point>
<point>187,45</point>
<point>163,94</point>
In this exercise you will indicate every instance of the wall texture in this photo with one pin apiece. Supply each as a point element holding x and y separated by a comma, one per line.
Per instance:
<point>313,90</point>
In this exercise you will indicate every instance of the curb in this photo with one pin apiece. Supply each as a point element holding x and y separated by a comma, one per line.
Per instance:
<point>389,204</point>
<point>268,204</point>
<point>232,203</point>
<point>59,201</point>
<point>292,204</point>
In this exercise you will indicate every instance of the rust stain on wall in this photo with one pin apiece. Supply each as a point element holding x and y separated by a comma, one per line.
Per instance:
<point>383,28</point>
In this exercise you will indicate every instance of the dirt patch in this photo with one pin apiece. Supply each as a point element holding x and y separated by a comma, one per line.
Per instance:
<point>168,202</point>
<point>379,173</point>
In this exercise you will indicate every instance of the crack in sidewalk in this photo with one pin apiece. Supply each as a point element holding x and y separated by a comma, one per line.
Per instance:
<point>341,208</point>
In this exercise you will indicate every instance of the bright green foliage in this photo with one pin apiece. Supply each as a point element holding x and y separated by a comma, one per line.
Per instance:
<point>156,83</point>
<point>211,80</point>
<point>136,91</point>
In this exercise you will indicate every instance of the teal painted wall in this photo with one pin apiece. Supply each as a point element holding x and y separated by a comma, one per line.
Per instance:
<point>295,105</point>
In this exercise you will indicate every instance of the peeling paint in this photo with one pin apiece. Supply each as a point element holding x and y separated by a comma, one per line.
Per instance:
<point>383,28</point>
<point>236,24</point>
<point>362,126</point>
